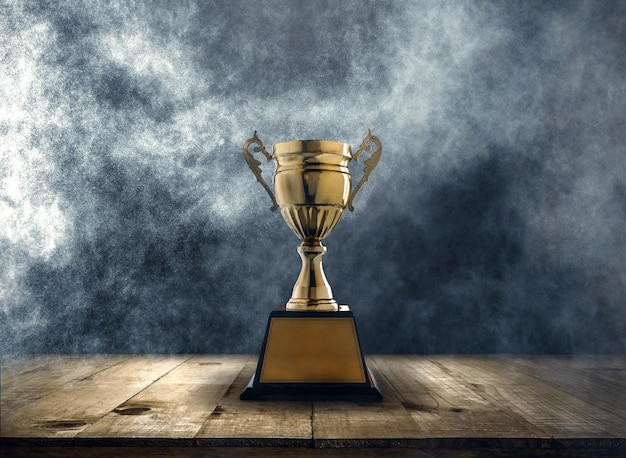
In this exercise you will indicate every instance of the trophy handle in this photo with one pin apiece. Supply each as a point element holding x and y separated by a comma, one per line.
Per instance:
<point>370,164</point>
<point>254,164</point>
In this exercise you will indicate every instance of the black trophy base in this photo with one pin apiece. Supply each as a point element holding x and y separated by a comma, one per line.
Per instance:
<point>312,356</point>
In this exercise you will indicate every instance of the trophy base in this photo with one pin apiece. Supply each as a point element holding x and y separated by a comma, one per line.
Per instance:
<point>312,356</point>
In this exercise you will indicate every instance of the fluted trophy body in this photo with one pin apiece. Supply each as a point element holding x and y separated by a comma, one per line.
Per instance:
<point>312,187</point>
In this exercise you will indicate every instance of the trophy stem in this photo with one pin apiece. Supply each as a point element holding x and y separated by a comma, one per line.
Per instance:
<point>312,291</point>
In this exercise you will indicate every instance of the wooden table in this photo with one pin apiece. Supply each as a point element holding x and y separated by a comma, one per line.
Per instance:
<point>181,405</point>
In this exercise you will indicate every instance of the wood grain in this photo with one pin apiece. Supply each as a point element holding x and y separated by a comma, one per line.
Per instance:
<point>188,405</point>
<point>79,403</point>
<point>176,405</point>
<point>256,422</point>
<point>26,379</point>
<point>448,407</point>
<point>556,401</point>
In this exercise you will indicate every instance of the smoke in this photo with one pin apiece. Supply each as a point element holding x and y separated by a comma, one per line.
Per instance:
<point>495,221</point>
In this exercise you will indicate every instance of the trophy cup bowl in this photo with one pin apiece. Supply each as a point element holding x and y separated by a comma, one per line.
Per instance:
<point>312,185</point>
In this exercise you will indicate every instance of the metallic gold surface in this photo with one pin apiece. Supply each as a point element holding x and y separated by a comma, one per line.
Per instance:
<point>312,350</point>
<point>254,164</point>
<point>312,187</point>
<point>370,164</point>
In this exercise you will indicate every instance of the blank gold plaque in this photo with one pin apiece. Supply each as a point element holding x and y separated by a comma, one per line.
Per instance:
<point>312,350</point>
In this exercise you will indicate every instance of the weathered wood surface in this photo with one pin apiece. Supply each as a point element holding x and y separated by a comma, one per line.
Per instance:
<point>185,405</point>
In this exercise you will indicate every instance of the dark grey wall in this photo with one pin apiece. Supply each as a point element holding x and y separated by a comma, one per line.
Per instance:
<point>495,222</point>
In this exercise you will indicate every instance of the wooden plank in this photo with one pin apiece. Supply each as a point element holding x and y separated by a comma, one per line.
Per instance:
<point>445,406</point>
<point>69,410</point>
<point>256,423</point>
<point>357,423</point>
<point>27,379</point>
<point>460,403</point>
<point>600,379</point>
<point>176,405</point>
<point>596,396</point>
<point>517,386</point>
<point>251,452</point>
<point>15,365</point>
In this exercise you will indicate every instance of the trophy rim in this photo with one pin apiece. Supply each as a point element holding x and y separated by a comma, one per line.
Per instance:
<point>313,146</point>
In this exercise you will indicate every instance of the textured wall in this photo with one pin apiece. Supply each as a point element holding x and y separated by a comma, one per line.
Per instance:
<point>495,222</point>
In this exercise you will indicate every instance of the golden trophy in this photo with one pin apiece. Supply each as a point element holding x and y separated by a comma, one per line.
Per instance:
<point>311,348</point>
